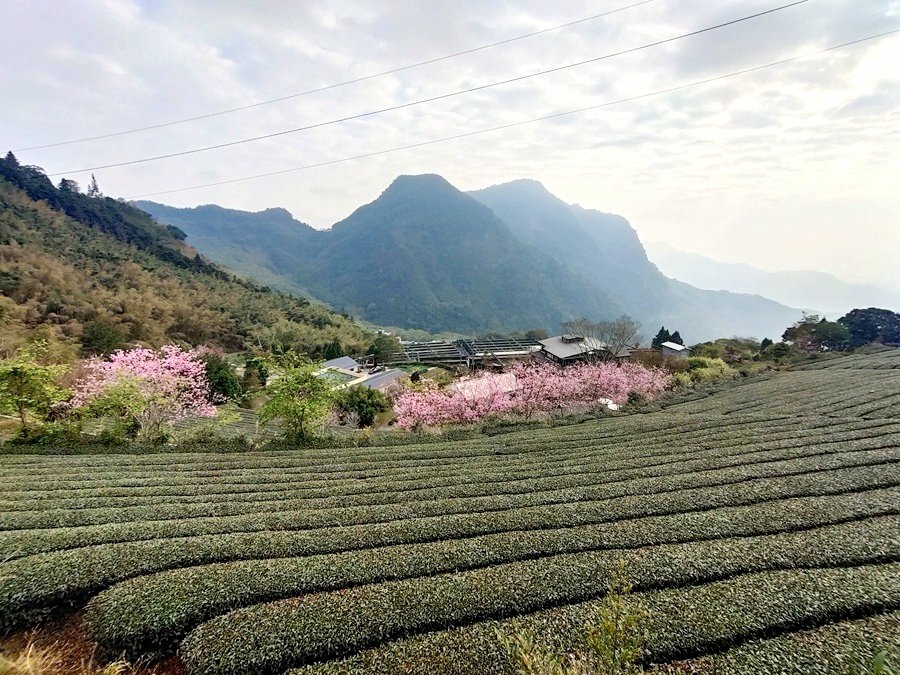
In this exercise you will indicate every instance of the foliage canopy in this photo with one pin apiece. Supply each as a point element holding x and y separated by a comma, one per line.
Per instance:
<point>298,398</point>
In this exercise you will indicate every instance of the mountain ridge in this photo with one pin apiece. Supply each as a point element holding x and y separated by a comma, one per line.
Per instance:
<point>426,255</point>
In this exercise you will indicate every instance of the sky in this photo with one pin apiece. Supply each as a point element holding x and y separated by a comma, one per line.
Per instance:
<point>790,167</point>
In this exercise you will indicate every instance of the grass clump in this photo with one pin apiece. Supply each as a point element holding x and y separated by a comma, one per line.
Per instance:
<point>54,660</point>
<point>614,640</point>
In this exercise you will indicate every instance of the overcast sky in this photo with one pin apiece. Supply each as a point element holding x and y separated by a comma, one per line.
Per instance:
<point>792,167</point>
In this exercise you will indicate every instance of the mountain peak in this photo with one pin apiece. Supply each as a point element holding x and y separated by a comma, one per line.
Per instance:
<point>422,181</point>
<point>526,187</point>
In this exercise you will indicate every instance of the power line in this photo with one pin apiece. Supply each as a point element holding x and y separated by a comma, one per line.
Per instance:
<point>522,122</point>
<point>429,99</point>
<point>338,84</point>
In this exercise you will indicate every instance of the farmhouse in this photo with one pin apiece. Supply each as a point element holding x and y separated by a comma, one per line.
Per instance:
<point>570,348</point>
<point>348,372</point>
<point>674,349</point>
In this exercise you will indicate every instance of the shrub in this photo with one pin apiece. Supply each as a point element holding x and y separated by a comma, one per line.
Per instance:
<point>270,637</point>
<point>705,369</point>
<point>362,402</point>
<point>880,665</point>
<point>64,578</point>
<point>614,639</point>
<point>156,611</point>
<point>681,380</point>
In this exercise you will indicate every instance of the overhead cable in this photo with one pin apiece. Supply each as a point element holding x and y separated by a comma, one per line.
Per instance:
<point>336,85</point>
<point>430,99</point>
<point>522,122</point>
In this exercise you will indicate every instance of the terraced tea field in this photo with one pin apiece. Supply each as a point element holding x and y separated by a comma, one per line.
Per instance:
<point>760,526</point>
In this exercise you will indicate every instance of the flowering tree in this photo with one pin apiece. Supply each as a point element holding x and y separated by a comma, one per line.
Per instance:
<point>152,388</point>
<point>470,400</point>
<point>535,389</point>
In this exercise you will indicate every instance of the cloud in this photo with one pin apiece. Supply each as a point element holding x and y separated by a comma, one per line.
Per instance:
<point>775,167</point>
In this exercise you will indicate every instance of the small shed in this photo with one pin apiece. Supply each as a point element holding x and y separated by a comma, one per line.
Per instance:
<point>674,349</point>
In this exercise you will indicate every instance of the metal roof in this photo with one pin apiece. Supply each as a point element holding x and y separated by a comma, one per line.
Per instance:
<point>675,346</point>
<point>379,380</point>
<point>563,349</point>
<point>341,362</point>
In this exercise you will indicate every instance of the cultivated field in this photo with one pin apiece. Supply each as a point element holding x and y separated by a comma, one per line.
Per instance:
<point>760,526</point>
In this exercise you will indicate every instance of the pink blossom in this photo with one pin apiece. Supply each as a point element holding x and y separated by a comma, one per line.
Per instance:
<point>155,387</point>
<point>536,389</point>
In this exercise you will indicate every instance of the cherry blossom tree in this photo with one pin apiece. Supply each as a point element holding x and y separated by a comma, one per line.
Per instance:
<point>537,389</point>
<point>154,389</point>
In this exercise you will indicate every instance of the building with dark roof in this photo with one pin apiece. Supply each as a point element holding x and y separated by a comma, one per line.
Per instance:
<point>569,348</point>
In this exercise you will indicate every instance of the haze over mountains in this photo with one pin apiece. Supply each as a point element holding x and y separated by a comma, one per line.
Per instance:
<point>513,256</point>
<point>817,291</point>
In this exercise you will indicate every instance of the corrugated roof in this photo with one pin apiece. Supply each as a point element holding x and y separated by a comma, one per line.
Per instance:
<point>379,380</point>
<point>562,349</point>
<point>341,362</point>
<point>675,346</point>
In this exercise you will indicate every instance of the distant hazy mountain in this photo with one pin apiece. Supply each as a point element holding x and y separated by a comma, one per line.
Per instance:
<point>606,250</point>
<point>817,291</point>
<point>425,255</point>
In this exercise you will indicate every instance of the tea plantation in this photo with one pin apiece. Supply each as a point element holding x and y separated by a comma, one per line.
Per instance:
<point>760,526</point>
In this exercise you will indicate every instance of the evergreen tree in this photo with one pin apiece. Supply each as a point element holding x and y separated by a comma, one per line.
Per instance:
<point>384,348</point>
<point>11,160</point>
<point>333,350</point>
<point>676,338</point>
<point>93,188</point>
<point>662,336</point>
<point>872,325</point>
<point>102,337</point>
<point>69,185</point>
<point>222,377</point>
<point>364,402</point>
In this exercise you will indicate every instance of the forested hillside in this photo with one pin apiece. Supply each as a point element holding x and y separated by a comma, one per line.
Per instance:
<point>94,273</point>
<point>268,246</point>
